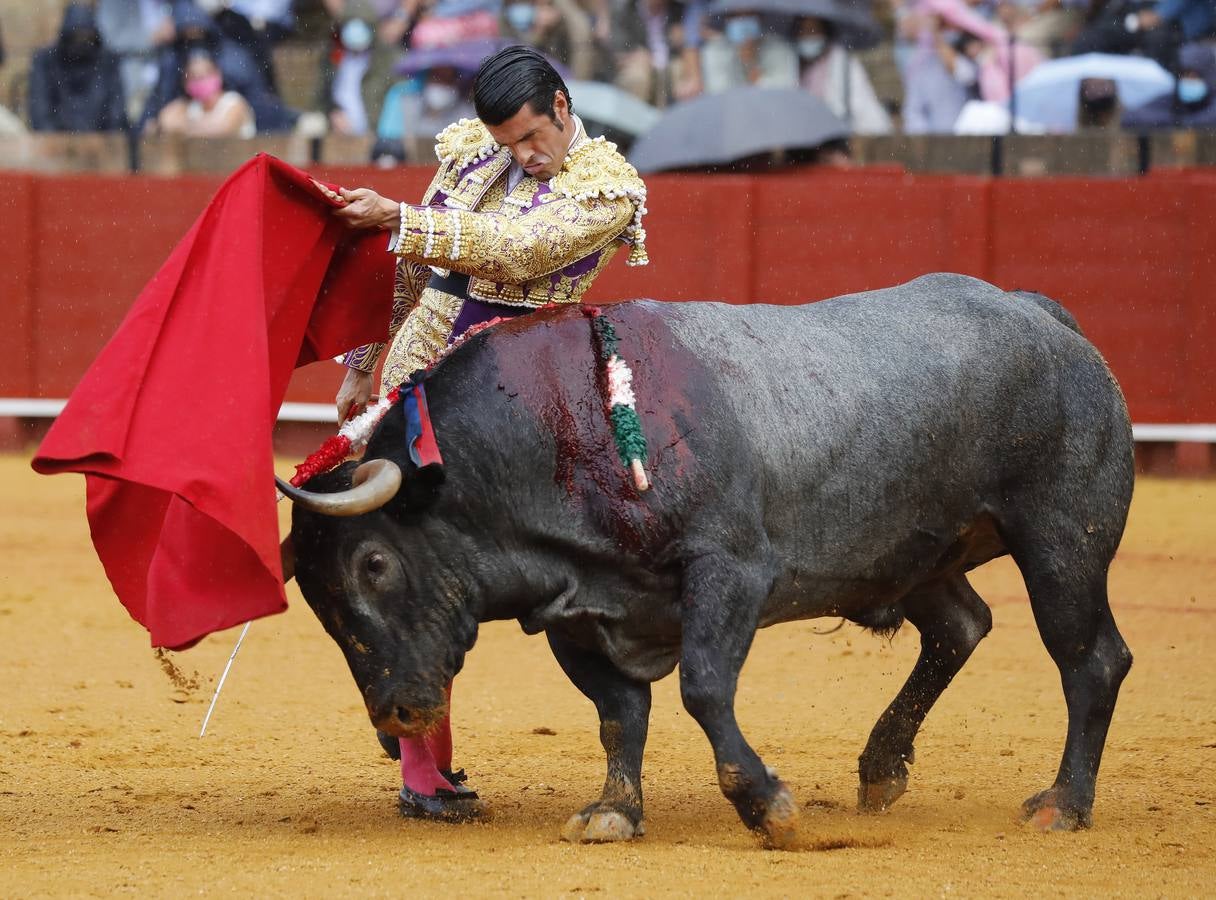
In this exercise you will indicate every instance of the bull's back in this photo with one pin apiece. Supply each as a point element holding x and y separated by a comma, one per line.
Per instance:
<point>871,428</point>
<point>824,421</point>
<point>944,356</point>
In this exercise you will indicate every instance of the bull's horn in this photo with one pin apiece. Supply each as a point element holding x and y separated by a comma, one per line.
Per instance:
<point>287,556</point>
<point>374,484</point>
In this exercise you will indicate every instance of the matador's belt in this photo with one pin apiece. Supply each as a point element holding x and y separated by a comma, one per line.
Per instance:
<point>455,284</point>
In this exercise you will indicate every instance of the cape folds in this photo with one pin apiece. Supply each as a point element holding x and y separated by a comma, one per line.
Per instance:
<point>171,425</point>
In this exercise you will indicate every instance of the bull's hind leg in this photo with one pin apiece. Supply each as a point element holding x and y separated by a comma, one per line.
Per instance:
<point>1067,587</point>
<point>952,619</point>
<point>624,708</point>
<point>722,603</point>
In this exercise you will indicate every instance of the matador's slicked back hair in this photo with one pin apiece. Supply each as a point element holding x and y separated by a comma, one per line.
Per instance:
<point>512,77</point>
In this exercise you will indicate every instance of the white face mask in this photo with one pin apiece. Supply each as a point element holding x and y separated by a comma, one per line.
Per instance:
<point>811,47</point>
<point>520,16</point>
<point>439,96</point>
<point>1191,89</point>
<point>356,36</point>
<point>742,29</point>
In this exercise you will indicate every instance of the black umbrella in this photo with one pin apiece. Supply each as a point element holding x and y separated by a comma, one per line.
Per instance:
<point>723,128</point>
<point>855,26</point>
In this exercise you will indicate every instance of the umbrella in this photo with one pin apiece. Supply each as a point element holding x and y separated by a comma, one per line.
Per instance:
<point>1048,95</point>
<point>733,125</point>
<point>855,27</point>
<point>465,57</point>
<point>610,106</point>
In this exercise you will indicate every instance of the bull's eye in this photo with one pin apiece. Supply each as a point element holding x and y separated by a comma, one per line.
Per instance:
<point>376,565</point>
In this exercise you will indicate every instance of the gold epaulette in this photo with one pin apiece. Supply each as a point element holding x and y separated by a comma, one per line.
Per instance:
<point>463,143</point>
<point>596,169</point>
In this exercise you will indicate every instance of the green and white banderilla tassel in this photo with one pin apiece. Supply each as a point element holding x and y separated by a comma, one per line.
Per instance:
<point>622,404</point>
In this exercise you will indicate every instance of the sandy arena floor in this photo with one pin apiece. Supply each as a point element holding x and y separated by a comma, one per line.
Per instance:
<point>105,787</point>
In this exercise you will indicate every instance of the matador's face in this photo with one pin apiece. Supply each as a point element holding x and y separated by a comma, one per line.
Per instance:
<point>537,142</point>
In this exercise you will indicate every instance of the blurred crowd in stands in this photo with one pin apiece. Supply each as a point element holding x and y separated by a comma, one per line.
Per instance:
<point>397,71</point>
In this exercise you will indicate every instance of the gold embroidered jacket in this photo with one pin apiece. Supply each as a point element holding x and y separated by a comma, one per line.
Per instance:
<point>527,246</point>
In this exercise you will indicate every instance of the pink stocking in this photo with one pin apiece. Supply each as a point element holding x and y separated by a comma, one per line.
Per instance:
<point>418,770</point>
<point>422,757</point>
<point>439,739</point>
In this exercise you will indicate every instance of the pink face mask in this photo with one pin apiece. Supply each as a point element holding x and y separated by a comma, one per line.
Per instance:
<point>206,88</point>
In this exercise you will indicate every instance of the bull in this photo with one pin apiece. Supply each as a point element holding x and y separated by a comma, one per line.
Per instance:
<point>851,458</point>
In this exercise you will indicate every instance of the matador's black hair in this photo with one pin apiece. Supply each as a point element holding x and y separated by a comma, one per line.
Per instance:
<point>512,77</point>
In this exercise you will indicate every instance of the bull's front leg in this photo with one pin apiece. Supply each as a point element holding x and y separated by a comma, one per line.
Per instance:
<point>624,708</point>
<point>722,601</point>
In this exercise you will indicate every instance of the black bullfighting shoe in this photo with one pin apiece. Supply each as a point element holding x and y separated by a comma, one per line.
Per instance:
<point>460,805</point>
<point>457,780</point>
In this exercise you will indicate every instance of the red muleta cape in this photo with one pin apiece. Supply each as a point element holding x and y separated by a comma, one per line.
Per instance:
<point>171,425</point>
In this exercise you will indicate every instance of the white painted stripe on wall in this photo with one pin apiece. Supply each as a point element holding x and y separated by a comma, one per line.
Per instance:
<point>29,408</point>
<point>1199,434</point>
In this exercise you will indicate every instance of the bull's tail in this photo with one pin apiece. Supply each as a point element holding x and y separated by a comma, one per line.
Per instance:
<point>1049,306</point>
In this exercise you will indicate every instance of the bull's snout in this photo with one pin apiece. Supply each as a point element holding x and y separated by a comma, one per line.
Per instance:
<point>405,719</point>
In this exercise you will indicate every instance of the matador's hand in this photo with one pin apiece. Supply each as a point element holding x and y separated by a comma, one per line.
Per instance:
<point>363,208</point>
<point>354,394</point>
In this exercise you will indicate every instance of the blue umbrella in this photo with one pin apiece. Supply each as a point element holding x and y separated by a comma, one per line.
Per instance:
<point>1048,95</point>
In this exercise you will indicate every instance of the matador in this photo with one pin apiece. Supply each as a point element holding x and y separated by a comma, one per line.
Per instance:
<point>525,210</point>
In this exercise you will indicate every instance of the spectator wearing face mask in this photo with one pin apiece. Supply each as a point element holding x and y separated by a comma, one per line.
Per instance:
<point>358,70</point>
<point>196,32</point>
<point>75,85</point>
<point>957,52</point>
<point>838,78</point>
<point>443,99</point>
<point>207,110</point>
<point>961,54</point>
<point>560,29</point>
<point>353,58</point>
<point>936,82</point>
<point>1192,103</point>
<point>369,38</point>
<point>749,50</point>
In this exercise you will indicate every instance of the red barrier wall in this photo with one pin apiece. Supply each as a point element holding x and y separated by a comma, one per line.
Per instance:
<point>1134,260</point>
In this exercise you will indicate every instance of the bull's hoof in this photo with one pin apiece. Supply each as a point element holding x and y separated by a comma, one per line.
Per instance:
<point>601,825</point>
<point>1048,811</point>
<point>879,796</point>
<point>779,827</point>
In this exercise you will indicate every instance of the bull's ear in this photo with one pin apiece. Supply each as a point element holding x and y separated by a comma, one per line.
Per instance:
<point>419,488</point>
<point>431,475</point>
<point>423,483</point>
